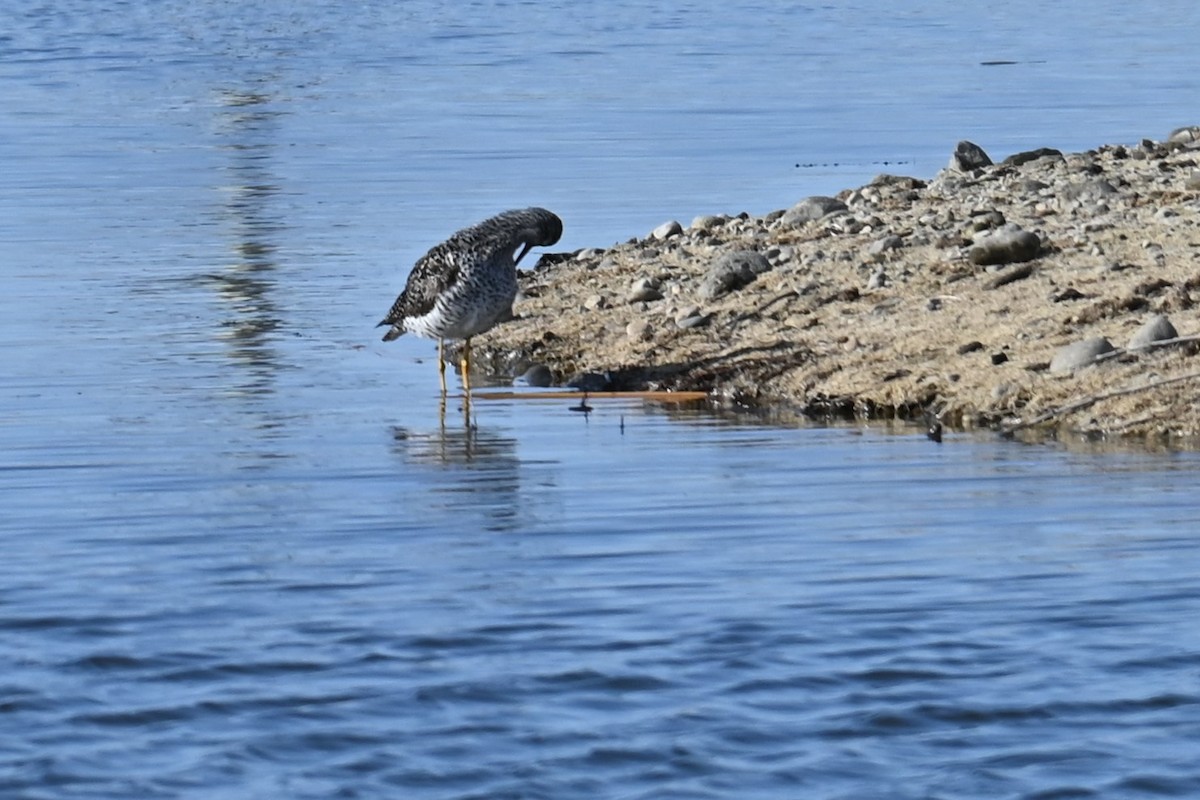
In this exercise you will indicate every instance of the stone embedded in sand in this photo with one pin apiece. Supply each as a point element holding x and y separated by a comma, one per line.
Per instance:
<point>1006,245</point>
<point>812,208</point>
<point>733,271</point>
<point>1156,329</point>
<point>969,156</point>
<point>1079,354</point>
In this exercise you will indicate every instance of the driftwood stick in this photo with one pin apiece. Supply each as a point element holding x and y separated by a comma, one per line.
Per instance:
<point>1096,398</point>
<point>1120,351</point>
<point>754,312</point>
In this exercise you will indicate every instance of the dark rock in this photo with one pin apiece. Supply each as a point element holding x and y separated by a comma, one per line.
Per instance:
<point>969,156</point>
<point>969,347</point>
<point>592,382</point>
<point>538,375</point>
<point>1017,159</point>
<point>1069,293</point>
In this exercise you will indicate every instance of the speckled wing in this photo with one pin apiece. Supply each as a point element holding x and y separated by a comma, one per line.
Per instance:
<point>433,274</point>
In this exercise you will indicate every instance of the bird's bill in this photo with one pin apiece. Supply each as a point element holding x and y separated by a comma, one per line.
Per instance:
<point>521,255</point>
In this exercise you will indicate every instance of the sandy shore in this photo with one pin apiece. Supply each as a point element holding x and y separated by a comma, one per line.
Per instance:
<point>954,296</point>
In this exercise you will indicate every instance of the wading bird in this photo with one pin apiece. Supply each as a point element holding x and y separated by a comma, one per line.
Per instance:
<point>465,285</point>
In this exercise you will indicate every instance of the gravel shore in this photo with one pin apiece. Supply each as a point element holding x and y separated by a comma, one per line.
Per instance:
<point>1047,292</point>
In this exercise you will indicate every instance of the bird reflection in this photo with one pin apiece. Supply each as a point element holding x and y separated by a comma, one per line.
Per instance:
<point>247,126</point>
<point>469,469</point>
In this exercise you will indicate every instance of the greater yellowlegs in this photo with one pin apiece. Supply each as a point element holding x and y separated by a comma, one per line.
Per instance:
<point>465,285</point>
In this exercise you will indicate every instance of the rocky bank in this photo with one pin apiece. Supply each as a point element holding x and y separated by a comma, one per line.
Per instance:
<point>1046,292</point>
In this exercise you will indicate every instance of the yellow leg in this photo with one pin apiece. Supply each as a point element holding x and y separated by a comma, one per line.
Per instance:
<point>441,368</point>
<point>466,366</point>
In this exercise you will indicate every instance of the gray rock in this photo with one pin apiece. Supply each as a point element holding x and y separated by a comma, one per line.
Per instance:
<point>644,290</point>
<point>813,208</point>
<point>969,156</point>
<point>986,221</point>
<point>1156,329</point>
<point>1006,245</point>
<point>692,317</point>
<point>1080,354</point>
<point>1192,182</point>
<point>639,331</point>
<point>707,222</point>
<point>890,242</point>
<point>1185,135</point>
<point>733,271</point>
<point>1093,189</point>
<point>878,280</point>
<point>538,375</point>
<point>666,231</point>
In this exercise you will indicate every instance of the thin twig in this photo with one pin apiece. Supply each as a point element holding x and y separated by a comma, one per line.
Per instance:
<point>1096,398</point>
<point>756,311</point>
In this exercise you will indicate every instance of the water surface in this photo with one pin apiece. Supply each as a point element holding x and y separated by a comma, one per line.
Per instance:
<point>247,555</point>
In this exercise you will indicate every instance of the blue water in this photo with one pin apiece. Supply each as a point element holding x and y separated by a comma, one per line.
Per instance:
<point>247,555</point>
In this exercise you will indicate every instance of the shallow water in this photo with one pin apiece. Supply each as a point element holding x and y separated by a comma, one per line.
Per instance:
<point>246,556</point>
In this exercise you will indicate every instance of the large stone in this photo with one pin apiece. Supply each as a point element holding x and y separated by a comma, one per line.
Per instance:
<point>732,271</point>
<point>1007,245</point>
<point>666,231</point>
<point>1079,354</point>
<point>969,156</point>
<point>1156,329</point>
<point>811,209</point>
<point>1185,135</point>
